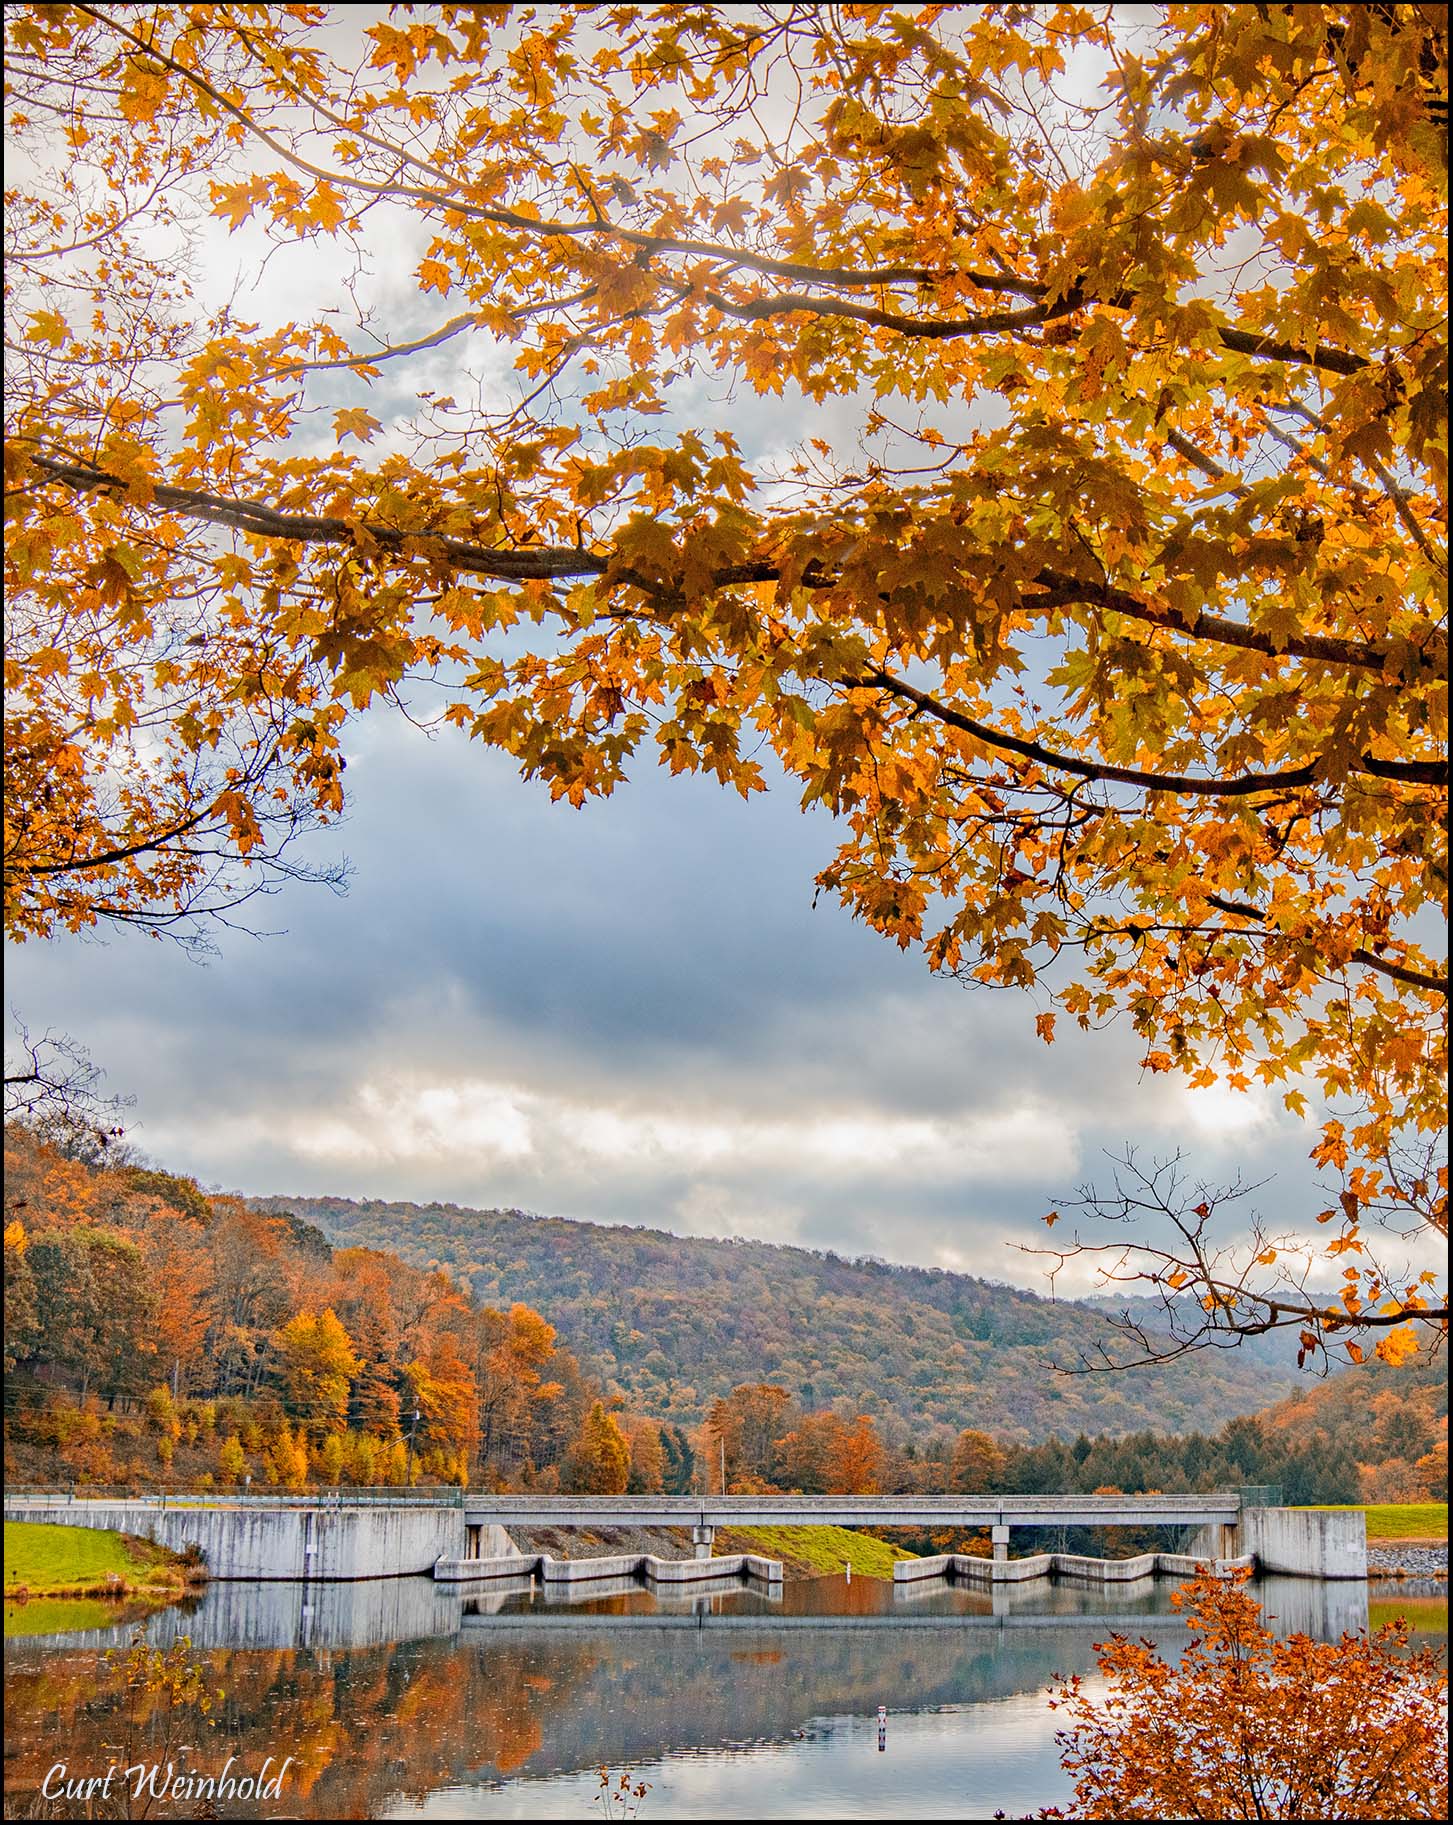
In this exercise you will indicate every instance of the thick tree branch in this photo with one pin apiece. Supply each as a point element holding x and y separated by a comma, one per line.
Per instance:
<point>1417,979</point>
<point>1206,464</point>
<point>787,304</point>
<point>1242,786</point>
<point>1263,348</point>
<point>266,522</point>
<point>545,562</point>
<point>1063,590</point>
<point>1241,342</point>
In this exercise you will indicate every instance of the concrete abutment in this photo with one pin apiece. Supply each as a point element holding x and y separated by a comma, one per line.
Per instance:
<point>289,1543</point>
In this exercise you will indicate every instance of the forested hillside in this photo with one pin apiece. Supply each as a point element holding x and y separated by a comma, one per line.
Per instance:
<point>673,1322</point>
<point>157,1334</point>
<point>1394,1419</point>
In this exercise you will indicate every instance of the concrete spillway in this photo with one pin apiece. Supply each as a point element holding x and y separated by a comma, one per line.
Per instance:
<point>618,1565</point>
<point>358,1535</point>
<point>1074,1566</point>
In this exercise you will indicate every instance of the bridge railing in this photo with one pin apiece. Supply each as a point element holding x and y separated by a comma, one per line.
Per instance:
<point>353,1497</point>
<point>882,1510</point>
<point>1022,1510</point>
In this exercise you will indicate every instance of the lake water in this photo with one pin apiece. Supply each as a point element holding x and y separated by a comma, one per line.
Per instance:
<point>402,1698</point>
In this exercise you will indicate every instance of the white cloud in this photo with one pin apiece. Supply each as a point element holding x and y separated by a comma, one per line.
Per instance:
<point>485,1124</point>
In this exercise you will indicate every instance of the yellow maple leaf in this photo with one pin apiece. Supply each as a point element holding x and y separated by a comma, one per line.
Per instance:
<point>1399,1344</point>
<point>354,421</point>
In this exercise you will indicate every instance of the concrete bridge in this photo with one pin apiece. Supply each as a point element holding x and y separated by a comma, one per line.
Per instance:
<point>704,1514</point>
<point>465,1534</point>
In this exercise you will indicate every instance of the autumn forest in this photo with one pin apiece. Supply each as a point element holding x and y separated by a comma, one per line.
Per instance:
<point>871,582</point>
<point>157,1334</point>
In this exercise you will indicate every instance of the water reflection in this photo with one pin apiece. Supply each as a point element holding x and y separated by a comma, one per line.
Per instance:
<point>406,1697</point>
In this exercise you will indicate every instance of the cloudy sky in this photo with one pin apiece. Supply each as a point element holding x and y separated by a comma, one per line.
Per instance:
<point>630,1013</point>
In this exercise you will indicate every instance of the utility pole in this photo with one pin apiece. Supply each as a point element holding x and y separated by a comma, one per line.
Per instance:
<point>409,1469</point>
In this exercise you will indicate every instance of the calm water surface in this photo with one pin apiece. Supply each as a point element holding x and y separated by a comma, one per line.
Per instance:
<point>403,1699</point>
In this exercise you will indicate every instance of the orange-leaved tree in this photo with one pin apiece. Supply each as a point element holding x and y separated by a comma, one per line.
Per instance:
<point>977,1465</point>
<point>1104,613</point>
<point>318,1367</point>
<point>1250,1727</point>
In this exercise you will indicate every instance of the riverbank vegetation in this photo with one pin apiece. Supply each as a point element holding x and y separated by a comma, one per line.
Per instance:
<point>1249,1727</point>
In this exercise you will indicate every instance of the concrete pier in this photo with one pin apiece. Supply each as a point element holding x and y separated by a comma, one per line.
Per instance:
<point>1306,1542</point>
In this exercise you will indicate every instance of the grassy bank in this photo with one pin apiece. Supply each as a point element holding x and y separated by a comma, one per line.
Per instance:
<point>47,1561</point>
<point>815,1551</point>
<point>1399,1520</point>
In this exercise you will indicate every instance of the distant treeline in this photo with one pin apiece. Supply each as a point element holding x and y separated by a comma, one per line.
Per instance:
<point>763,1441</point>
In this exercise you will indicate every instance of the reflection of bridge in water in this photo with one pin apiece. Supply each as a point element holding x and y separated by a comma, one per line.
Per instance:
<point>546,1685</point>
<point>834,1625</point>
<point>1295,1606</point>
<point>387,1612</point>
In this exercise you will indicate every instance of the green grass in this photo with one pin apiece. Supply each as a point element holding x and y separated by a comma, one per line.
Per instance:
<point>51,1561</point>
<point>1399,1520</point>
<point>821,1549</point>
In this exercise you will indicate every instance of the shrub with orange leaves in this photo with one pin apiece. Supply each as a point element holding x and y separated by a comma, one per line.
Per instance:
<point>1249,1727</point>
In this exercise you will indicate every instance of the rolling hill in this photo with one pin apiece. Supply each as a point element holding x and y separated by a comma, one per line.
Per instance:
<point>671,1322</point>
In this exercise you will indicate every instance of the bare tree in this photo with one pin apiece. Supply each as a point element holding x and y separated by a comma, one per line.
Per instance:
<point>1191,1284</point>
<point>53,1087</point>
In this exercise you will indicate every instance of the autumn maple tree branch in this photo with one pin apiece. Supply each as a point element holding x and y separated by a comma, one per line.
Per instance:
<point>1259,346</point>
<point>1242,786</point>
<point>508,565</point>
<point>1399,972</point>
